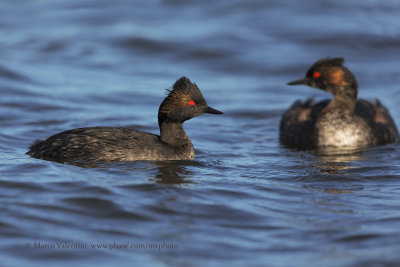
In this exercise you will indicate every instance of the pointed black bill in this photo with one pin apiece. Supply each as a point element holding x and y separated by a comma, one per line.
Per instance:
<point>212,111</point>
<point>299,81</point>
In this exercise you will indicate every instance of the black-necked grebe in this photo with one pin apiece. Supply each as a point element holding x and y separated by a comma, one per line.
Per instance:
<point>343,121</point>
<point>99,144</point>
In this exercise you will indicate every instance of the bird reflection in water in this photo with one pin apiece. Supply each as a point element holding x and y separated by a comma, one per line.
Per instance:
<point>166,172</point>
<point>337,160</point>
<point>337,163</point>
<point>173,172</point>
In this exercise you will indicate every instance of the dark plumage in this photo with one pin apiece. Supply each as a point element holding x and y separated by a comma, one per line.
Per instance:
<point>99,144</point>
<point>343,121</point>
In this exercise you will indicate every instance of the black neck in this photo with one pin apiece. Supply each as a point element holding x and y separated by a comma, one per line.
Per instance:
<point>345,99</point>
<point>172,133</point>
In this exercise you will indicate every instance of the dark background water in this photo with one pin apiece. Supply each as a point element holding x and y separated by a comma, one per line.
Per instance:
<point>245,200</point>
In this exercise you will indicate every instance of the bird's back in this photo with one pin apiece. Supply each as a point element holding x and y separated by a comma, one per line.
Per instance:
<point>103,144</point>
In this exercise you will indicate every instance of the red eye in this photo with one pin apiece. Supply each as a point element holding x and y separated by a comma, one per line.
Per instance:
<point>191,102</point>
<point>316,75</point>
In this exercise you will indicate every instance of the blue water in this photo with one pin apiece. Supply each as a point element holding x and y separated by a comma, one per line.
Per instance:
<point>245,200</point>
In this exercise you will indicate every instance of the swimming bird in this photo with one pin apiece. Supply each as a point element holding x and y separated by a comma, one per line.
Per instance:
<point>344,121</point>
<point>105,144</point>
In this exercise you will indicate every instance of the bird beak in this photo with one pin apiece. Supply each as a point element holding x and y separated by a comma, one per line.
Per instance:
<point>212,111</point>
<point>300,81</point>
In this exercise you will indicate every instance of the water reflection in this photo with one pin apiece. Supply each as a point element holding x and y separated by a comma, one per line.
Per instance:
<point>172,172</point>
<point>346,189</point>
<point>166,172</point>
<point>337,160</point>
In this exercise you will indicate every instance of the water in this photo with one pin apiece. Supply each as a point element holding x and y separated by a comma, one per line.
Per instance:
<point>245,200</point>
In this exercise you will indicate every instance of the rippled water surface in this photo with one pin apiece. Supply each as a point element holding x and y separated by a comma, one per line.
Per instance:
<point>245,200</point>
